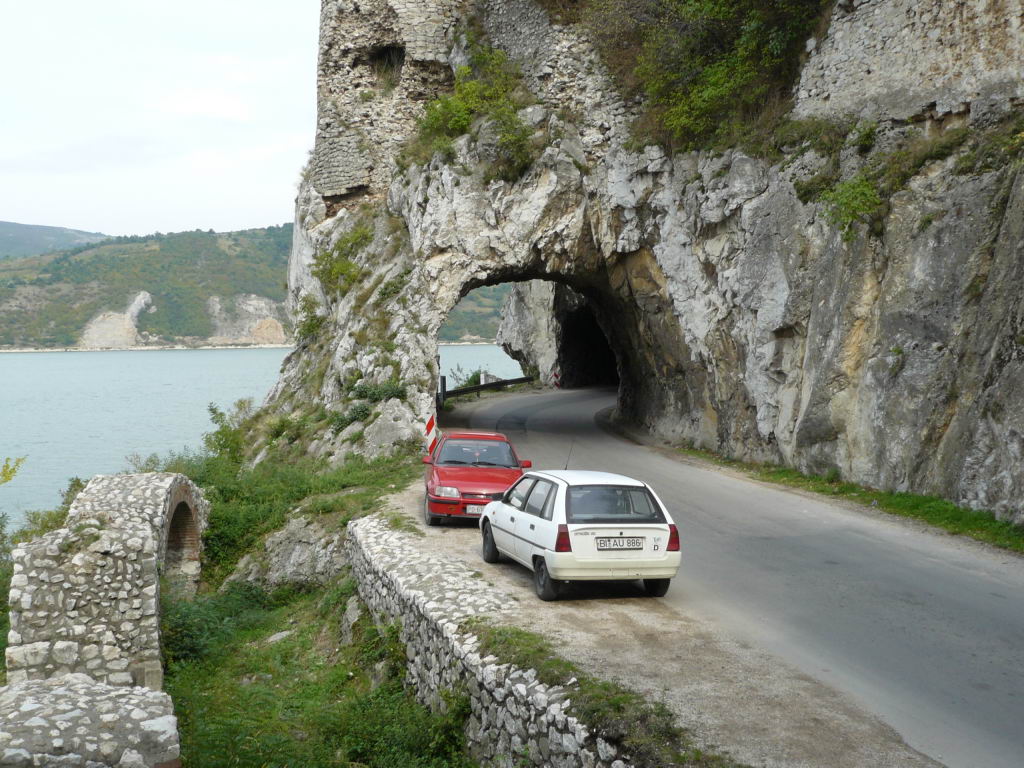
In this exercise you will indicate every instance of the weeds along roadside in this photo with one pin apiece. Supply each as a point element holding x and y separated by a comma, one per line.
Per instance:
<point>977,524</point>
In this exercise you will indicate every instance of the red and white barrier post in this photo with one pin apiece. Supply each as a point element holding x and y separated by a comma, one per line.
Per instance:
<point>431,434</point>
<point>556,380</point>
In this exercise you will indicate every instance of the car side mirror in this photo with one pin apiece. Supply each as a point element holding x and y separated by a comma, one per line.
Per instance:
<point>427,460</point>
<point>525,463</point>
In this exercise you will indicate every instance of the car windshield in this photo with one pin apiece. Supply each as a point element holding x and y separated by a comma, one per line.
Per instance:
<point>477,453</point>
<point>611,504</point>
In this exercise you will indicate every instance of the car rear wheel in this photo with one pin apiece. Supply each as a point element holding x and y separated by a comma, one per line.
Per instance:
<point>656,587</point>
<point>546,587</point>
<point>428,518</point>
<point>489,550</point>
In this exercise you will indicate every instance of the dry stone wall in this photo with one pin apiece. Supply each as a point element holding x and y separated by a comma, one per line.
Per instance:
<point>74,722</point>
<point>515,719</point>
<point>84,645</point>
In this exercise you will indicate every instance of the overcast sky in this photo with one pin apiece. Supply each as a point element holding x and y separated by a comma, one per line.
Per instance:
<point>136,116</point>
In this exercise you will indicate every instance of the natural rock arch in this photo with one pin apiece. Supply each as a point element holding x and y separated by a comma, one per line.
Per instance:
<point>741,318</point>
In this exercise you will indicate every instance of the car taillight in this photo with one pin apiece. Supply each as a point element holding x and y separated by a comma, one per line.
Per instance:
<point>562,543</point>
<point>673,538</point>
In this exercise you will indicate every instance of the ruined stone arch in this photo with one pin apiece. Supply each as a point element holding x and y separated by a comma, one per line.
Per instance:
<point>85,598</point>
<point>182,537</point>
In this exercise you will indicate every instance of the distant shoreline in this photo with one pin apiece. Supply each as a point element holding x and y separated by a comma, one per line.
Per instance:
<point>8,350</point>
<point>144,349</point>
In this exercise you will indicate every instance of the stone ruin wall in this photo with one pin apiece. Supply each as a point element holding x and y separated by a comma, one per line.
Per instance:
<point>900,59</point>
<point>84,668</point>
<point>362,118</point>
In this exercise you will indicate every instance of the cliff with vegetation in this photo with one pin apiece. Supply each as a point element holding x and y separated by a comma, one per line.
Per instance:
<point>187,288</point>
<point>799,244</point>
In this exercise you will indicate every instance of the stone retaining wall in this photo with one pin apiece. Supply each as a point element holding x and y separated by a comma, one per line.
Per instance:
<point>514,717</point>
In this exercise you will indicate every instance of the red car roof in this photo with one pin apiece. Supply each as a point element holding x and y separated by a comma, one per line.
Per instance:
<point>468,434</point>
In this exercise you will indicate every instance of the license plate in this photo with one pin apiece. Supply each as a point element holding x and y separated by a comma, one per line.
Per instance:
<point>620,542</point>
<point>475,509</point>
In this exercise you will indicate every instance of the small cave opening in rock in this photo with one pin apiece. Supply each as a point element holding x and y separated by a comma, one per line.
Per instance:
<point>387,62</point>
<point>181,560</point>
<point>586,357</point>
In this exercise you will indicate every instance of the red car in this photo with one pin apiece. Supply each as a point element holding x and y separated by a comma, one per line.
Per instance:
<point>468,470</point>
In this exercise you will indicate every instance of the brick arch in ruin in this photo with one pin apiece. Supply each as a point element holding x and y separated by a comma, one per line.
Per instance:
<point>85,598</point>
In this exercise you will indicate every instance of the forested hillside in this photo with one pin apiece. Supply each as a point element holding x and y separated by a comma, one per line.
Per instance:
<point>478,314</point>
<point>31,239</point>
<point>46,301</point>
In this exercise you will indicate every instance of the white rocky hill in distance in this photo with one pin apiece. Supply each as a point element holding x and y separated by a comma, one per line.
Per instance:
<point>242,320</point>
<point>116,330</point>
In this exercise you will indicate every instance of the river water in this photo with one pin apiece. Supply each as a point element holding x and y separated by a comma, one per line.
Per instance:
<point>82,413</point>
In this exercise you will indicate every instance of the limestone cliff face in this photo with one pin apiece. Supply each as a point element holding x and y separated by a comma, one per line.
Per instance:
<point>740,318</point>
<point>247,319</point>
<point>116,330</point>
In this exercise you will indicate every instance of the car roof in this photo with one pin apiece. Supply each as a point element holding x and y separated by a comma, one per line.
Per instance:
<point>587,477</point>
<point>474,435</point>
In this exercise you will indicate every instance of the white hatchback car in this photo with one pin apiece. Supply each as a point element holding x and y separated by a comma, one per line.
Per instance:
<point>571,525</point>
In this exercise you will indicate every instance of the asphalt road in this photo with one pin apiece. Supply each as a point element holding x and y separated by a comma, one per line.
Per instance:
<point>923,629</point>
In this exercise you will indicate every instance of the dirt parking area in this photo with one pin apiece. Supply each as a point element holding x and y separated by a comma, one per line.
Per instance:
<point>730,697</point>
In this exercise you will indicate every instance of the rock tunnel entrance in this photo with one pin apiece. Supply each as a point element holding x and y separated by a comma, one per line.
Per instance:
<point>586,357</point>
<point>548,328</point>
<point>181,561</point>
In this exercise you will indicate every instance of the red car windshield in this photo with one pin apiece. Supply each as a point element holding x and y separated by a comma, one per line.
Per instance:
<point>476,453</point>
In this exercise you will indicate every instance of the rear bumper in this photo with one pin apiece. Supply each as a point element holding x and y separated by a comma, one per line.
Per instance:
<point>565,566</point>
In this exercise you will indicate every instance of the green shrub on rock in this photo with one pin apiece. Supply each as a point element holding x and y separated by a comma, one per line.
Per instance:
<point>489,88</point>
<point>705,65</point>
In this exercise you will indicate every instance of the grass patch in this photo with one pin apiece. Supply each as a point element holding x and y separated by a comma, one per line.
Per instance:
<point>303,701</point>
<point>310,320</point>
<point>358,412</point>
<point>850,202</point>
<point>491,88</point>
<point>646,731</point>
<point>377,393</point>
<point>977,524</point>
<point>337,269</point>
<point>246,503</point>
<point>707,67</point>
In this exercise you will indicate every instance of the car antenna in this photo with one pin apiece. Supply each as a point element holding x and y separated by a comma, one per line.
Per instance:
<point>570,452</point>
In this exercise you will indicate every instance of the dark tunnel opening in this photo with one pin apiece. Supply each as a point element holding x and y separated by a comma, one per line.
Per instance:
<point>586,356</point>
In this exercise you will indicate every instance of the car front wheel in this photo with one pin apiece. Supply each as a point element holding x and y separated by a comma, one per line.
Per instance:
<point>656,587</point>
<point>428,518</point>
<point>489,551</point>
<point>546,587</point>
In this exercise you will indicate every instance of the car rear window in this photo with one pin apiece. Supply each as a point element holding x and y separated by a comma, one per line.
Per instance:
<point>477,453</point>
<point>611,504</point>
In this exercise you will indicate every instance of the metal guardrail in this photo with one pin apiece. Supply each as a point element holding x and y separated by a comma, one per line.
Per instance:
<point>443,393</point>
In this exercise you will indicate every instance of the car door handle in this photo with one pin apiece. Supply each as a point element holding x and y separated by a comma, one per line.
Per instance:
<point>511,519</point>
<point>531,526</point>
